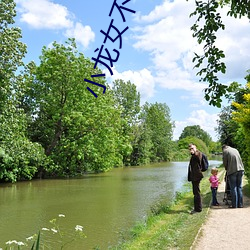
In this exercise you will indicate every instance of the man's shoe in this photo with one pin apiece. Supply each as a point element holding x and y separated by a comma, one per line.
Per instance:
<point>194,212</point>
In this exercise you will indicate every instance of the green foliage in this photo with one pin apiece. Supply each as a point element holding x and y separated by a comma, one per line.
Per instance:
<point>205,28</point>
<point>201,146</point>
<point>128,100</point>
<point>142,145</point>
<point>227,127</point>
<point>215,147</point>
<point>237,8</point>
<point>233,123</point>
<point>20,158</point>
<point>157,122</point>
<point>241,116</point>
<point>196,131</point>
<point>12,50</point>
<point>79,133</point>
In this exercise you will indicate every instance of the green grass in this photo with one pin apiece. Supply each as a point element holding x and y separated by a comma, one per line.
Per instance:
<point>170,226</point>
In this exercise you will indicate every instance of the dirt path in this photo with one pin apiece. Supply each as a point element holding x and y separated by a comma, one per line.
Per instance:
<point>225,228</point>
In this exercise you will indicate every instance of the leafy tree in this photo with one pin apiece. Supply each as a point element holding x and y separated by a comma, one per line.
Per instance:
<point>215,147</point>
<point>227,127</point>
<point>241,116</point>
<point>12,50</point>
<point>19,157</point>
<point>183,144</point>
<point>196,131</point>
<point>157,121</point>
<point>142,145</point>
<point>208,23</point>
<point>128,100</point>
<point>79,133</point>
<point>231,124</point>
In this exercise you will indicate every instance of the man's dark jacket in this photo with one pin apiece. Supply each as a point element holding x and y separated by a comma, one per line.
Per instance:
<point>194,168</point>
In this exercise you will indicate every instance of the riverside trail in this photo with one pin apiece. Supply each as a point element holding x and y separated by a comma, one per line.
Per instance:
<point>225,228</point>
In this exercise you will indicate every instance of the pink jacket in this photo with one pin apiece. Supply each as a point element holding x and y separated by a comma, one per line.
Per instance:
<point>214,181</point>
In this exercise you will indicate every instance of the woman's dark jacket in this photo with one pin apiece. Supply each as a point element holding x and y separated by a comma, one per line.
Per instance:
<point>194,168</point>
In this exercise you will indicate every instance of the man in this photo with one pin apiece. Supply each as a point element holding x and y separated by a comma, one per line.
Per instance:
<point>195,175</point>
<point>235,169</point>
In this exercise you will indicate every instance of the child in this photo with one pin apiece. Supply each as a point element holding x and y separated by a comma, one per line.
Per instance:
<point>214,185</point>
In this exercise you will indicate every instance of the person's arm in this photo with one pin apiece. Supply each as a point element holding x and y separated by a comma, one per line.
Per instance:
<point>224,159</point>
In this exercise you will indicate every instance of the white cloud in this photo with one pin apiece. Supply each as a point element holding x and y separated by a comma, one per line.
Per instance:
<point>170,42</point>
<point>83,34</point>
<point>44,14</point>
<point>207,122</point>
<point>234,41</point>
<point>165,33</point>
<point>143,80</point>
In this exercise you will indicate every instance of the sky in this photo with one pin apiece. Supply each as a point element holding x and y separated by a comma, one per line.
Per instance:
<point>156,51</point>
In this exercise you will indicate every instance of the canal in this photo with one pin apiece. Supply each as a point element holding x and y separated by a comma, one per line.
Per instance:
<point>106,204</point>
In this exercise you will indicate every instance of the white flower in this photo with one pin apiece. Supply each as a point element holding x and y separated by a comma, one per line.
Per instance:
<point>20,243</point>
<point>61,215</point>
<point>78,228</point>
<point>10,242</point>
<point>54,230</point>
<point>29,238</point>
<point>45,229</point>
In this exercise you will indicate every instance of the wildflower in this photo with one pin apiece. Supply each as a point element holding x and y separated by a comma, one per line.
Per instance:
<point>10,242</point>
<point>29,238</point>
<point>45,229</point>
<point>20,243</point>
<point>78,228</point>
<point>61,215</point>
<point>54,230</point>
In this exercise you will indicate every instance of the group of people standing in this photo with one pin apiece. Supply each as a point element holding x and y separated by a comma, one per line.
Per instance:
<point>234,167</point>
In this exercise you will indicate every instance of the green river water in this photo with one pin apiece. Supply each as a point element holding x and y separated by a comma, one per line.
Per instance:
<point>104,204</point>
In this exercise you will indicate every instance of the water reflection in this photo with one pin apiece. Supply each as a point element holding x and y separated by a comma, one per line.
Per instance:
<point>105,204</point>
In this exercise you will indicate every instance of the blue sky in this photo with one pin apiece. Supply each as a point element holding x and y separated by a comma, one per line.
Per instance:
<point>156,53</point>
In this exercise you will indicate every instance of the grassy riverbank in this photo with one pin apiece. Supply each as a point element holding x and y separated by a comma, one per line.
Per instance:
<point>170,227</point>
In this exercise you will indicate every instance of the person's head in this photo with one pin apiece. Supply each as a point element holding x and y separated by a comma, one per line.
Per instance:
<point>192,148</point>
<point>214,171</point>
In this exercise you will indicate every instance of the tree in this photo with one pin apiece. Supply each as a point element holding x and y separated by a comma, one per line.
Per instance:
<point>79,133</point>
<point>20,158</point>
<point>242,117</point>
<point>12,50</point>
<point>157,121</point>
<point>208,23</point>
<point>227,127</point>
<point>229,130</point>
<point>196,131</point>
<point>128,100</point>
<point>183,144</point>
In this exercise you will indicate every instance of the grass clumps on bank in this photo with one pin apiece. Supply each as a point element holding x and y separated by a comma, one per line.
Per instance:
<point>170,226</point>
